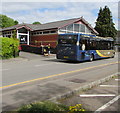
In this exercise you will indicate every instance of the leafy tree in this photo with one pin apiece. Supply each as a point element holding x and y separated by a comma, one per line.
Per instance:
<point>14,35</point>
<point>104,24</point>
<point>16,22</point>
<point>6,21</point>
<point>36,23</point>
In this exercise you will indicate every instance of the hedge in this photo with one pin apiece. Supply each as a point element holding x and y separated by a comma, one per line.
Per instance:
<point>43,107</point>
<point>9,47</point>
<point>50,107</point>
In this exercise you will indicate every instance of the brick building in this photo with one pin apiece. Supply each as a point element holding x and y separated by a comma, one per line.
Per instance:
<point>43,34</point>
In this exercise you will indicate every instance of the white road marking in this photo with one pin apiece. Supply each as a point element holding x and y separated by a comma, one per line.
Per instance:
<point>97,95</point>
<point>109,86</point>
<point>117,79</point>
<point>107,104</point>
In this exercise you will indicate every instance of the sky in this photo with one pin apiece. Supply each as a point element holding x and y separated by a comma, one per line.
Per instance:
<point>46,11</point>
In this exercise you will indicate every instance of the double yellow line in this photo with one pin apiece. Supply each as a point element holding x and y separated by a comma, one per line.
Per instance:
<point>69,72</point>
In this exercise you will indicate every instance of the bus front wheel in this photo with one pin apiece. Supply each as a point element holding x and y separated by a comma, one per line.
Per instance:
<point>91,57</point>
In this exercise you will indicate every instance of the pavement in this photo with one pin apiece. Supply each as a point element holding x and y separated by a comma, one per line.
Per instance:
<point>26,56</point>
<point>98,99</point>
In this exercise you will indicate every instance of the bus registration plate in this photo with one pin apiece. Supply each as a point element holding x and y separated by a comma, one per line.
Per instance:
<point>66,57</point>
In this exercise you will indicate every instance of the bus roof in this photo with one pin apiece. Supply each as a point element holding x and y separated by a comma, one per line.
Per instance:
<point>105,38</point>
<point>90,36</point>
<point>87,34</point>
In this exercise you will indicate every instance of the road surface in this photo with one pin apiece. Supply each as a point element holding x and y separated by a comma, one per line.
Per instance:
<point>26,81</point>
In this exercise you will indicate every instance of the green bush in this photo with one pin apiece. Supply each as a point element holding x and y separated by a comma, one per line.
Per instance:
<point>8,47</point>
<point>42,107</point>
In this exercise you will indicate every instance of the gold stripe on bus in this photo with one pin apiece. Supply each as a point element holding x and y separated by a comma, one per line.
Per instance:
<point>100,54</point>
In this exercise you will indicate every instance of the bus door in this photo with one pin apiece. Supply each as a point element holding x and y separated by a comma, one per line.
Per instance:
<point>84,48</point>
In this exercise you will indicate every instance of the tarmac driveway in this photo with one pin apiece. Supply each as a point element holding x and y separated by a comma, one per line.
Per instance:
<point>33,56</point>
<point>30,56</point>
<point>26,56</point>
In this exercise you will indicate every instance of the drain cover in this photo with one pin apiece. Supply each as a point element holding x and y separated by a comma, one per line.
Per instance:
<point>77,80</point>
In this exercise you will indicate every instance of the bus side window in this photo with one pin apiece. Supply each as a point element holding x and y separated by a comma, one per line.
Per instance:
<point>100,45</point>
<point>84,44</point>
<point>91,45</point>
<point>111,45</point>
<point>94,45</point>
<point>80,44</point>
<point>97,45</point>
<point>88,44</point>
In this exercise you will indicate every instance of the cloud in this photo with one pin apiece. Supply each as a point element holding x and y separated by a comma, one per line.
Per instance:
<point>60,1</point>
<point>44,12</point>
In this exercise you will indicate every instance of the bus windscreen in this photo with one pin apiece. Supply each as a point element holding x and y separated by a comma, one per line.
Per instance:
<point>67,39</point>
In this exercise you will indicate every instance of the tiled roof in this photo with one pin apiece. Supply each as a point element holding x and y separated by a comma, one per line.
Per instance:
<point>16,26</point>
<point>56,24</point>
<point>51,25</point>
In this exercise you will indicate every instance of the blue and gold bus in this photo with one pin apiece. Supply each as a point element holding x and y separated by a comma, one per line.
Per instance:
<point>82,47</point>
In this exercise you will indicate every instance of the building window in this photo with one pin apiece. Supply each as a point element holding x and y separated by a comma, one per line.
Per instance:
<point>63,28</point>
<point>76,27</point>
<point>52,31</point>
<point>9,36</point>
<point>34,33</point>
<point>45,32</point>
<point>22,30</point>
<point>82,28</point>
<point>40,32</point>
<point>87,30</point>
<point>37,32</point>
<point>70,28</point>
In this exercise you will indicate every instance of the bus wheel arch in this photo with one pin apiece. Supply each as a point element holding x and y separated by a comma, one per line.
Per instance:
<point>91,57</point>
